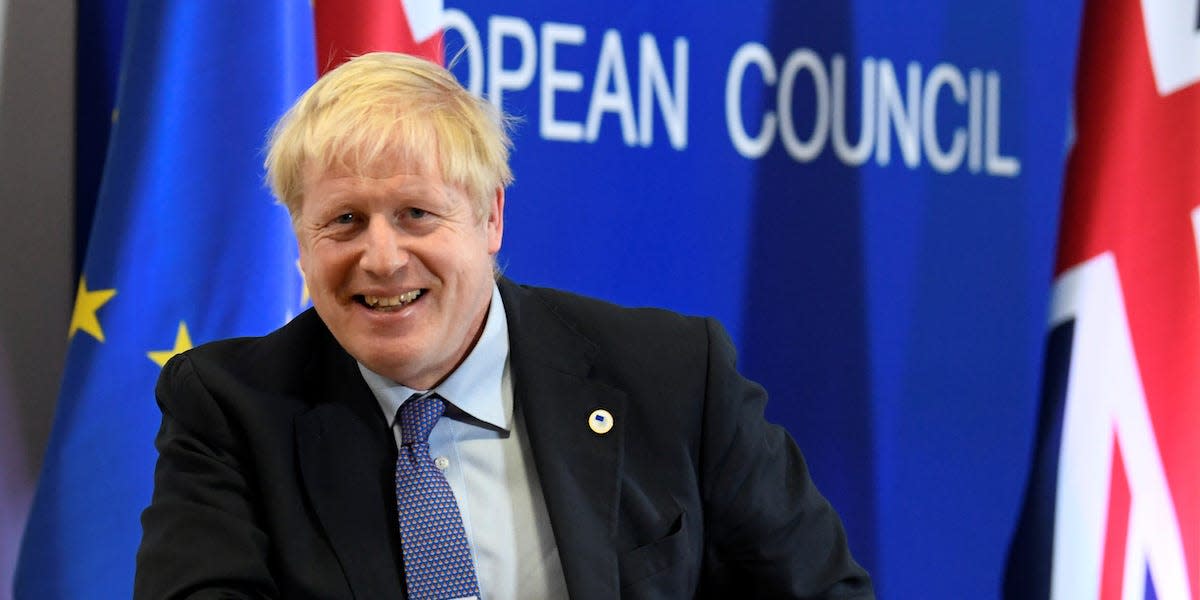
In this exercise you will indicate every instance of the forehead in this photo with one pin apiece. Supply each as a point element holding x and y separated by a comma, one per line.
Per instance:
<point>370,164</point>
<point>375,158</point>
<point>336,189</point>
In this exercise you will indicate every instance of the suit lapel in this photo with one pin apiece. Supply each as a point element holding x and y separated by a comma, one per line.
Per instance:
<point>579,470</point>
<point>346,455</point>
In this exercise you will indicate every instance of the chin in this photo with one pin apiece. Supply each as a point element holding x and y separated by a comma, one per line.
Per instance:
<point>394,365</point>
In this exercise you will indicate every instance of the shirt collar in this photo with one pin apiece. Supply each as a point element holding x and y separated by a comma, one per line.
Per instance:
<point>475,387</point>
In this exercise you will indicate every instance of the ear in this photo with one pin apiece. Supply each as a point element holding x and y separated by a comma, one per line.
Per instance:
<point>495,222</point>
<point>302,265</point>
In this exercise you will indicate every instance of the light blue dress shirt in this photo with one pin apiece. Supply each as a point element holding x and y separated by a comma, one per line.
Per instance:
<point>480,445</point>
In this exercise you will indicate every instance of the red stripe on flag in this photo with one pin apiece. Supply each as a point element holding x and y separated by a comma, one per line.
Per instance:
<point>349,28</point>
<point>1112,572</point>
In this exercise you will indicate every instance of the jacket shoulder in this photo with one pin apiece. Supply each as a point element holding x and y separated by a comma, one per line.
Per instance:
<point>599,319</point>
<point>271,360</point>
<point>627,342</point>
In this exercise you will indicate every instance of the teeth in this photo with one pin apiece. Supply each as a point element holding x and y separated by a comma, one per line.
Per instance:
<point>390,301</point>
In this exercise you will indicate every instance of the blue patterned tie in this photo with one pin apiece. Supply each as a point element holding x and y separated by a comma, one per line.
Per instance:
<point>437,560</point>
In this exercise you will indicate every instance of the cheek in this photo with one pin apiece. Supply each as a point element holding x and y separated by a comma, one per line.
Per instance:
<point>323,267</point>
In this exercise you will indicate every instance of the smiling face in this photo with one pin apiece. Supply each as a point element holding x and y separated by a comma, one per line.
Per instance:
<point>399,267</point>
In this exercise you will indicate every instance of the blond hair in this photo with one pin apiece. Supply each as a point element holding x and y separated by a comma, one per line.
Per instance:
<point>387,107</point>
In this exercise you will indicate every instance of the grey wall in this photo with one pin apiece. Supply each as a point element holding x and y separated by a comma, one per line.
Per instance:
<point>37,71</point>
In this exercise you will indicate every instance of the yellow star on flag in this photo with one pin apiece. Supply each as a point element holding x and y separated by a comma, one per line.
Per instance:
<point>183,342</point>
<point>86,304</point>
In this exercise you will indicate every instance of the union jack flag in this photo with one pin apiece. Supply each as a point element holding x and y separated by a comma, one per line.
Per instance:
<point>1112,510</point>
<point>346,29</point>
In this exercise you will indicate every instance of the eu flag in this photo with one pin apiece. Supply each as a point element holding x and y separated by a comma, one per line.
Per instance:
<point>187,246</point>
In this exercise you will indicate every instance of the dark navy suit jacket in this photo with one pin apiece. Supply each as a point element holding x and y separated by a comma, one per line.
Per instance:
<point>275,470</point>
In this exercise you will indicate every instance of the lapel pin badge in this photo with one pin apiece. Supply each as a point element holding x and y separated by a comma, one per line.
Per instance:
<point>601,421</point>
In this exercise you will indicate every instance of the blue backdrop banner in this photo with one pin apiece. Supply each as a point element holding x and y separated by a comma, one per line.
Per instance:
<point>865,193</point>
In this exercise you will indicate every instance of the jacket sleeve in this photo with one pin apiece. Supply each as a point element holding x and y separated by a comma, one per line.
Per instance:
<point>200,537</point>
<point>771,534</point>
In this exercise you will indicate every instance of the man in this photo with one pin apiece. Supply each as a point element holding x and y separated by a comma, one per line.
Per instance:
<point>429,422</point>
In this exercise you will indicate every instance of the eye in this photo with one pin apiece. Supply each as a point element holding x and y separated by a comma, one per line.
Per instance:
<point>417,213</point>
<point>344,219</point>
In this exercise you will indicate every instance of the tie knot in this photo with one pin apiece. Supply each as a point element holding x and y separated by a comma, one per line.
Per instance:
<point>418,415</point>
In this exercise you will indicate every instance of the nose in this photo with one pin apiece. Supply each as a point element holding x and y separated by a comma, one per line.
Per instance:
<point>384,251</point>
